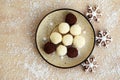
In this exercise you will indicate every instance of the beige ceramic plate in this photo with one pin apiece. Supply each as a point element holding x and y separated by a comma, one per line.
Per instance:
<point>49,23</point>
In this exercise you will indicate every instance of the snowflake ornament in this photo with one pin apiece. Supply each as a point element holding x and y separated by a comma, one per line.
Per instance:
<point>93,13</point>
<point>90,64</point>
<point>103,38</point>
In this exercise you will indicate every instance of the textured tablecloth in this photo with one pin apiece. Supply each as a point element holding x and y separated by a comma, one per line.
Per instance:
<point>19,58</point>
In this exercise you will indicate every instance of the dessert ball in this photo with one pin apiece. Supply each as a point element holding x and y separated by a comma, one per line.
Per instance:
<point>61,50</point>
<point>75,30</point>
<point>72,52</point>
<point>70,19</point>
<point>49,47</point>
<point>56,37</point>
<point>67,39</point>
<point>64,28</point>
<point>79,41</point>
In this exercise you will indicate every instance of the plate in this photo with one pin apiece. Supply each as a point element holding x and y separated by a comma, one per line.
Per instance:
<point>49,23</point>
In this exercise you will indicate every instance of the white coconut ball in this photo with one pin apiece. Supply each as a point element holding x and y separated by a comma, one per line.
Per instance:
<point>67,39</point>
<point>75,30</point>
<point>56,37</point>
<point>79,41</point>
<point>64,28</point>
<point>61,50</point>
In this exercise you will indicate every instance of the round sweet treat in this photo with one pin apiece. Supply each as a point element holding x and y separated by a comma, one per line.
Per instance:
<point>61,50</point>
<point>70,19</point>
<point>49,47</point>
<point>64,28</point>
<point>67,39</point>
<point>75,29</point>
<point>56,37</point>
<point>72,52</point>
<point>79,41</point>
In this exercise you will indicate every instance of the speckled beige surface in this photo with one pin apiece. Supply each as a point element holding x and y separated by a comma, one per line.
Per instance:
<point>19,58</point>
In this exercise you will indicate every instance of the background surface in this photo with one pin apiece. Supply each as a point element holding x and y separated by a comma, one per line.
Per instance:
<point>19,58</point>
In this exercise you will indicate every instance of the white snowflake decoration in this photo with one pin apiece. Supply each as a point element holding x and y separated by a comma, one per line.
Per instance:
<point>93,13</point>
<point>90,64</point>
<point>103,38</point>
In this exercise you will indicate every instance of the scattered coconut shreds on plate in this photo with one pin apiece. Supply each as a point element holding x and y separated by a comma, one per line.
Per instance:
<point>93,13</point>
<point>90,64</point>
<point>103,39</point>
<point>44,39</point>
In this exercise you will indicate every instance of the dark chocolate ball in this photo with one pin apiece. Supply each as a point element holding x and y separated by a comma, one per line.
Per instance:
<point>70,19</point>
<point>72,52</point>
<point>49,47</point>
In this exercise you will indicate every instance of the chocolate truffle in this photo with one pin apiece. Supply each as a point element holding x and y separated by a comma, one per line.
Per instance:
<point>49,47</point>
<point>79,41</point>
<point>55,37</point>
<point>61,50</point>
<point>70,19</point>
<point>67,39</point>
<point>75,30</point>
<point>72,52</point>
<point>63,28</point>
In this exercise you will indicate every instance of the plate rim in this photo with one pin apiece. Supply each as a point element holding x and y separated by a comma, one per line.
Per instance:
<point>37,32</point>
